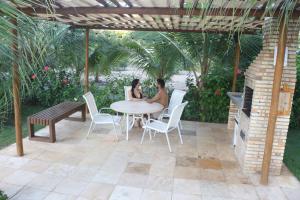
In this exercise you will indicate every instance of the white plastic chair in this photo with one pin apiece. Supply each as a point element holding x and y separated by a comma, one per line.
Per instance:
<point>100,118</point>
<point>162,127</point>
<point>134,117</point>
<point>176,99</point>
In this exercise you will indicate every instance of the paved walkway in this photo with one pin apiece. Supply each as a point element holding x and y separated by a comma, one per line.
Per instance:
<point>99,168</point>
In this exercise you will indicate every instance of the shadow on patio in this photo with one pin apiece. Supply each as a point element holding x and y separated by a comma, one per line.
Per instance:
<point>204,167</point>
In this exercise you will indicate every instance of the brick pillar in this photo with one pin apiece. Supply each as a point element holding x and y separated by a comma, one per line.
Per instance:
<point>259,76</point>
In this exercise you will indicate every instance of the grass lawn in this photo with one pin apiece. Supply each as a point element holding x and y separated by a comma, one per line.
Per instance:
<point>7,134</point>
<point>292,152</point>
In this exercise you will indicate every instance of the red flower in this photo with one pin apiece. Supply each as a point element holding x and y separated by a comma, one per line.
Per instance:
<point>46,68</point>
<point>65,81</point>
<point>33,76</point>
<point>218,92</point>
<point>238,71</point>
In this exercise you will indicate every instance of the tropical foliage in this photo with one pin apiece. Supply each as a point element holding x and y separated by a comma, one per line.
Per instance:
<point>3,196</point>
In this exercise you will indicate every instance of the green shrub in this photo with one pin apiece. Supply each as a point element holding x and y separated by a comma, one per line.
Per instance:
<point>210,103</point>
<point>52,86</point>
<point>3,196</point>
<point>113,90</point>
<point>295,116</point>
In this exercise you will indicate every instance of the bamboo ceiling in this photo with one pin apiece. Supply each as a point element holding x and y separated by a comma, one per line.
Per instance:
<point>160,15</point>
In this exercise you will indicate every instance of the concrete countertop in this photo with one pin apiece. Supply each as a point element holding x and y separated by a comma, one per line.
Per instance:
<point>236,98</point>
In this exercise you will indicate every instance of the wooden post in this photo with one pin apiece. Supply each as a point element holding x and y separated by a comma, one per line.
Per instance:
<point>236,61</point>
<point>86,68</point>
<point>274,101</point>
<point>16,89</point>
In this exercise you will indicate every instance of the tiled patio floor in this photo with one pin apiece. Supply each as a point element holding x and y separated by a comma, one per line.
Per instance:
<point>204,167</point>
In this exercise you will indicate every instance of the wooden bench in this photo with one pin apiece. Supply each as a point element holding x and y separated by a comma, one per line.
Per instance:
<point>53,115</point>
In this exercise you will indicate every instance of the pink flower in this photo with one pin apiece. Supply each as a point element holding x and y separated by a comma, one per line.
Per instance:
<point>238,71</point>
<point>46,68</point>
<point>33,76</point>
<point>65,81</point>
<point>218,92</point>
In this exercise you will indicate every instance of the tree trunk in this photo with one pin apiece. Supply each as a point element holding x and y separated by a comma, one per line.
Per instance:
<point>97,76</point>
<point>205,61</point>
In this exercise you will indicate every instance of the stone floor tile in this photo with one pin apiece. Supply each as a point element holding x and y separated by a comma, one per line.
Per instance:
<point>97,191</point>
<point>5,171</point>
<point>292,193</point>
<point>155,195</point>
<point>58,196</point>
<point>187,173</point>
<point>20,177</point>
<point>141,157</point>
<point>134,180</point>
<point>178,196</point>
<point>214,189</point>
<point>243,191</point>
<point>106,177</point>
<point>270,193</point>
<point>186,186</point>
<point>58,169</point>
<point>126,193</point>
<point>138,168</point>
<point>209,163</point>
<point>36,166</point>
<point>212,175</point>
<point>45,182</point>
<point>186,162</point>
<point>15,162</point>
<point>83,173</point>
<point>9,189</point>
<point>28,193</point>
<point>159,183</point>
<point>70,187</point>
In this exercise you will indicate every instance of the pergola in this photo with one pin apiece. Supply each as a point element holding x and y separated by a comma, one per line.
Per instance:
<point>209,16</point>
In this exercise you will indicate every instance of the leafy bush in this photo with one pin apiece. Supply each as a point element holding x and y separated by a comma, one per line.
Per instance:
<point>51,86</point>
<point>3,196</point>
<point>210,103</point>
<point>295,116</point>
<point>113,89</point>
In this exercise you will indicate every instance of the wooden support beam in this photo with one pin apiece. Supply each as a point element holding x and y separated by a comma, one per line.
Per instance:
<point>158,11</point>
<point>86,67</point>
<point>274,101</point>
<point>237,53</point>
<point>16,89</point>
<point>161,29</point>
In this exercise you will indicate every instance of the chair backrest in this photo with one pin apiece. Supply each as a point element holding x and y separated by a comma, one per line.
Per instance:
<point>176,99</point>
<point>91,104</point>
<point>127,90</point>
<point>176,115</point>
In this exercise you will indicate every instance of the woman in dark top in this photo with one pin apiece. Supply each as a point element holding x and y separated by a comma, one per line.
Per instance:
<point>135,93</point>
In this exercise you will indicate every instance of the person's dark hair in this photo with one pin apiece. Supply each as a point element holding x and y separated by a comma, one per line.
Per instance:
<point>161,82</point>
<point>133,85</point>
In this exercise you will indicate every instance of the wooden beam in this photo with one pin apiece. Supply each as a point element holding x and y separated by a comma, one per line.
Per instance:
<point>236,61</point>
<point>158,11</point>
<point>250,32</point>
<point>86,67</point>
<point>274,101</point>
<point>16,89</point>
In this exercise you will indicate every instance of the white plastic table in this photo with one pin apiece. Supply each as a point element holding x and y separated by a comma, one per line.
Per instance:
<point>136,108</point>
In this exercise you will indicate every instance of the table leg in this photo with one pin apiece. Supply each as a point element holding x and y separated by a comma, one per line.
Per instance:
<point>127,125</point>
<point>148,121</point>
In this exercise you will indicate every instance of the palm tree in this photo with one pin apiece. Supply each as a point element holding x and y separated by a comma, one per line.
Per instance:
<point>158,57</point>
<point>107,54</point>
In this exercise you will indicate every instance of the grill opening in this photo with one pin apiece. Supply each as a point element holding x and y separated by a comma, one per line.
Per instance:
<point>248,101</point>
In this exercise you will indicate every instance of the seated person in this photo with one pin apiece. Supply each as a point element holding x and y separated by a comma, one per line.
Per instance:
<point>162,95</point>
<point>135,93</point>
